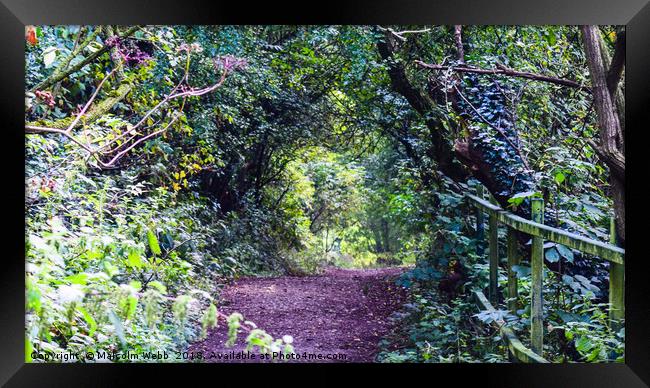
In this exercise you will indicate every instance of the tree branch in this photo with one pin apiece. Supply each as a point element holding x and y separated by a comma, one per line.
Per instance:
<point>617,65</point>
<point>502,70</point>
<point>441,148</point>
<point>77,49</point>
<point>69,123</point>
<point>458,39</point>
<point>58,76</point>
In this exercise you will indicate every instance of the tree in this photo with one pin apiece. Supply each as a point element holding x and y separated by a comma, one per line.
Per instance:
<point>605,90</point>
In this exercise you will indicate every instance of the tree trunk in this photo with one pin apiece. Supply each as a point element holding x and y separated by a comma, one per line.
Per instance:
<point>442,148</point>
<point>492,159</point>
<point>610,149</point>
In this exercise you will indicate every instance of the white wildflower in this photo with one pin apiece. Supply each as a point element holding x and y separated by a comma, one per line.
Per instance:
<point>70,294</point>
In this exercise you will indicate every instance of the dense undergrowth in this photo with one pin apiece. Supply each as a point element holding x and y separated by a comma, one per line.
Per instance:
<point>443,325</point>
<point>284,150</point>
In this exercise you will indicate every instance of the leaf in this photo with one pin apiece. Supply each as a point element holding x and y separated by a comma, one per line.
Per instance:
<point>134,260</point>
<point>552,255</point>
<point>117,324</point>
<point>153,242</point>
<point>135,284</point>
<point>133,303</point>
<point>110,269</point>
<point>94,47</point>
<point>92,324</point>
<point>518,198</point>
<point>49,55</point>
<point>584,344</point>
<point>568,279</point>
<point>559,177</point>
<point>158,286</point>
<point>80,278</point>
<point>567,253</point>
<point>28,350</point>
<point>568,317</point>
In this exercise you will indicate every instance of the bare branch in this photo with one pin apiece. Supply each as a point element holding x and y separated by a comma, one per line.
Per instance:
<point>422,31</point>
<point>502,70</point>
<point>58,76</point>
<point>131,131</point>
<point>90,101</point>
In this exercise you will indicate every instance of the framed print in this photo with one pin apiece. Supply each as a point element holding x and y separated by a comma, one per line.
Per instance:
<point>397,187</point>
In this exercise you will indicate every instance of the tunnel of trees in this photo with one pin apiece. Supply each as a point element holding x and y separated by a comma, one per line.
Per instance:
<point>164,162</point>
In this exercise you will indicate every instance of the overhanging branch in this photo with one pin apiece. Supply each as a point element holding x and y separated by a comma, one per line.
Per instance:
<point>502,70</point>
<point>60,75</point>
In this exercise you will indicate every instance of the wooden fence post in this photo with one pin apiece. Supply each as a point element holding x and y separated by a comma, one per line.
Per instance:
<point>616,285</point>
<point>537,276</point>
<point>494,259</point>
<point>480,227</point>
<point>513,259</point>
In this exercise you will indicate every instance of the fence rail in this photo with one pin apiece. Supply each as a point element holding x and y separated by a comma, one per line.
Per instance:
<point>516,348</point>
<point>539,232</point>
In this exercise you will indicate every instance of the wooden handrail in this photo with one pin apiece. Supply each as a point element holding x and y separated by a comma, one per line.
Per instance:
<point>517,349</point>
<point>540,232</point>
<point>603,250</point>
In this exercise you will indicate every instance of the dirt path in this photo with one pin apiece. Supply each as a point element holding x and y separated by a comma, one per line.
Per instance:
<point>342,312</point>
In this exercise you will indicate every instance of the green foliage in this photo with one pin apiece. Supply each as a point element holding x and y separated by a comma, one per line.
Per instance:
<point>433,332</point>
<point>586,328</point>
<point>265,344</point>
<point>307,156</point>
<point>234,323</point>
<point>209,320</point>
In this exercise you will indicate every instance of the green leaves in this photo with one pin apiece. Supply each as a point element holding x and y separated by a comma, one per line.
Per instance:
<point>565,252</point>
<point>310,149</point>
<point>552,255</point>
<point>555,251</point>
<point>234,323</point>
<point>521,271</point>
<point>92,324</point>
<point>153,242</point>
<point>134,259</point>
<point>209,320</point>
<point>158,286</point>
<point>518,198</point>
<point>127,300</point>
<point>118,327</point>
<point>179,308</point>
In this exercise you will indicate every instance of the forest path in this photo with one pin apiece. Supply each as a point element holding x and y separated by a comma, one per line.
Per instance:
<point>341,311</point>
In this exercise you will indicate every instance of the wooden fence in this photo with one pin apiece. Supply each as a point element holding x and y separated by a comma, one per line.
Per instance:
<point>539,233</point>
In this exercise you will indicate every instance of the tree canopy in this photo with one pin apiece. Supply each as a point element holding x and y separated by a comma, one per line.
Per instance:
<point>164,161</point>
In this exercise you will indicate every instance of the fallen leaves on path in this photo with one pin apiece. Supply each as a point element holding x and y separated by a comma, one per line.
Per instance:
<point>339,312</point>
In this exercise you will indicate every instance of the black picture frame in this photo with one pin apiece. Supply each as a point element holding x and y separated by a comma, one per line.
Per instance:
<point>16,14</point>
